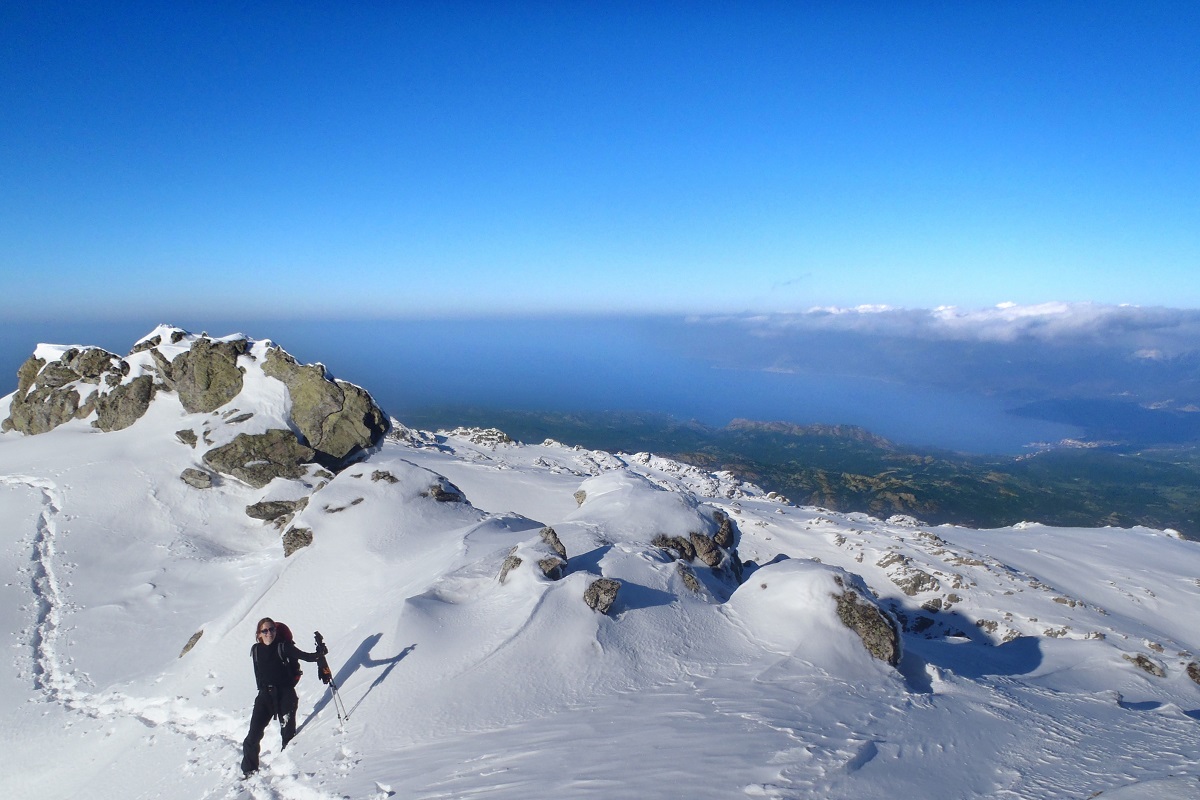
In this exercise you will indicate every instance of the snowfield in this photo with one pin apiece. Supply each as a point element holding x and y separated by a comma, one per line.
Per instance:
<point>1037,662</point>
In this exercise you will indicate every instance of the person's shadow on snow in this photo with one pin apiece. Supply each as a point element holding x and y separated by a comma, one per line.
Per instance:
<point>361,658</point>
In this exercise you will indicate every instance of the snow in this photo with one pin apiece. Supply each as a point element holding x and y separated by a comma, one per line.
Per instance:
<point>457,685</point>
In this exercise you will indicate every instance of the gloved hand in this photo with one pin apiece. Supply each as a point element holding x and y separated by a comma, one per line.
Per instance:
<point>322,650</point>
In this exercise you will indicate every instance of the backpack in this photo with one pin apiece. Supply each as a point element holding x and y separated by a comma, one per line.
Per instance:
<point>283,637</point>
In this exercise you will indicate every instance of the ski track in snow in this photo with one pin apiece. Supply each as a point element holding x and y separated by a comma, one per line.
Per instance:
<point>53,677</point>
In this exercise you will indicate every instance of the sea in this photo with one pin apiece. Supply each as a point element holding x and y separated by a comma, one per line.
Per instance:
<point>564,364</point>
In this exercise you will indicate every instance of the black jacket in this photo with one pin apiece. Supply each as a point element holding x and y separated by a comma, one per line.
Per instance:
<point>277,664</point>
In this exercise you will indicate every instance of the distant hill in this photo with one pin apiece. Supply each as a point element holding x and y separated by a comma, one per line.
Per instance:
<point>847,468</point>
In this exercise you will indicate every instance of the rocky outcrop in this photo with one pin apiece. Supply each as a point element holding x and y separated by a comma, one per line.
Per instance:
<point>1193,671</point>
<point>879,632</point>
<point>546,551</point>
<point>718,552</point>
<point>601,594</point>
<point>71,387</point>
<point>335,418</point>
<point>259,458</point>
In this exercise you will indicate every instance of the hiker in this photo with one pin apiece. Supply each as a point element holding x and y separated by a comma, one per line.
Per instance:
<point>276,671</point>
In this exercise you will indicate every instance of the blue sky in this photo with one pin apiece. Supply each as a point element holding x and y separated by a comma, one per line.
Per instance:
<point>351,160</point>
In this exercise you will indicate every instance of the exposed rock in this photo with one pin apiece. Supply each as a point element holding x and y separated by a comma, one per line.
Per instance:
<point>510,563</point>
<point>337,419</point>
<point>207,376</point>
<point>124,404</point>
<point>259,458</point>
<point>48,393</point>
<point>726,533</point>
<point>601,594</point>
<point>580,496</point>
<point>553,542</point>
<point>295,539</point>
<point>488,437</point>
<point>707,550</point>
<point>384,475</point>
<point>551,561</point>
<point>197,478</point>
<point>1193,671</point>
<point>683,548</point>
<point>279,512</point>
<point>1145,664</point>
<point>191,642</point>
<point>878,631</point>
<point>445,492</point>
<point>689,578</point>
<point>552,567</point>
<point>187,436</point>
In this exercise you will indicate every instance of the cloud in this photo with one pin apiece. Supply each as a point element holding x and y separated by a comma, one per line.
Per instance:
<point>1165,331</point>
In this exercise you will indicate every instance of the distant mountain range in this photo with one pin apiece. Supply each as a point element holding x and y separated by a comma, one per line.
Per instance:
<point>847,468</point>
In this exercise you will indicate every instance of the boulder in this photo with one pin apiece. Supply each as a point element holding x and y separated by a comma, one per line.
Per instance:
<point>207,375</point>
<point>280,512</point>
<point>259,458</point>
<point>124,404</point>
<point>601,594</point>
<point>295,539</point>
<point>196,478</point>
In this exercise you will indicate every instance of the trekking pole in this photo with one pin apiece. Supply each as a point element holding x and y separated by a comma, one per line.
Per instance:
<point>327,677</point>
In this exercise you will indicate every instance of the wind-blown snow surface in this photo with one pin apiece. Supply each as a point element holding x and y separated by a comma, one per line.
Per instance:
<point>460,686</point>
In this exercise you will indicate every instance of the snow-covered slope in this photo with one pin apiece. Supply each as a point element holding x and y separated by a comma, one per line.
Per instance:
<point>1030,666</point>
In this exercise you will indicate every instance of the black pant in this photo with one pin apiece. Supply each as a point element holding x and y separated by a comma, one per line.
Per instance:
<point>268,704</point>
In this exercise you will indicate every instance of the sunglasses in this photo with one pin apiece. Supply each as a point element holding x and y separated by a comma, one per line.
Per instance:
<point>267,630</point>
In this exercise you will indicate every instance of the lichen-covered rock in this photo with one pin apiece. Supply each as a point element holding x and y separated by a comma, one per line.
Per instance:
<point>295,539</point>
<point>207,375</point>
<point>601,594</point>
<point>335,418</point>
<point>259,458</point>
<point>187,436</point>
<point>580,496</point>
<point>124,404</point>
<point>879,632</point>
